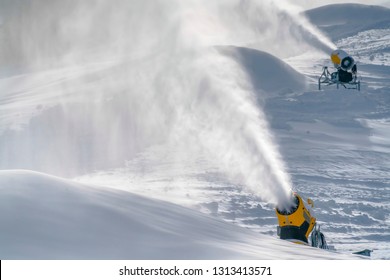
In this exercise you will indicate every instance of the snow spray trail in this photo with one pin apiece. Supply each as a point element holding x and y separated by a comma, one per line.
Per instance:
<point>307,30</point>
<point>159,80</point>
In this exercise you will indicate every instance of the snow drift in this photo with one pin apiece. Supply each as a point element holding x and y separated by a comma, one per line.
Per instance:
<point>269,74</point>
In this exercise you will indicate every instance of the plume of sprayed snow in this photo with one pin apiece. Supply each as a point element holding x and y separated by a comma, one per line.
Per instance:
<point>165,83</point>
<point>311,33</point>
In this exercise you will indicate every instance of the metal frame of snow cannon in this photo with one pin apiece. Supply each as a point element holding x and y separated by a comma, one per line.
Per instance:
<point>317,238</point>
<point>328,79</point>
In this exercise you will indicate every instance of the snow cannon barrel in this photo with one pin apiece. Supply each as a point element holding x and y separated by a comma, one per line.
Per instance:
<point>342,60</point>
<point>295,222</point>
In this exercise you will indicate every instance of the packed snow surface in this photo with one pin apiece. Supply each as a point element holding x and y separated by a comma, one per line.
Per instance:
<point>177,141</point>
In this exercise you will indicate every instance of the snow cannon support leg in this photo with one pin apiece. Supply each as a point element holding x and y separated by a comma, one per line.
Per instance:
<point>295,223</point>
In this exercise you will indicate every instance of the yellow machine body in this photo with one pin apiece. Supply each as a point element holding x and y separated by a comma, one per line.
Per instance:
<point>337,56</point>
<point>296,223</point>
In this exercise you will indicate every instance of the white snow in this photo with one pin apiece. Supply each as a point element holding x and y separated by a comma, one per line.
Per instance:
<point>45,217</point>
<point>343,20</point>
<point>179,150</point>
<point>264,69</point>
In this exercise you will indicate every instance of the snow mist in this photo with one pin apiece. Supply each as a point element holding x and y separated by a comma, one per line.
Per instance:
<point>110,79</point>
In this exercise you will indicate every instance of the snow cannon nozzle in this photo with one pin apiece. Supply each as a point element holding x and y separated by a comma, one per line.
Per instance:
<point>289,206</point>
<point>295,220</point>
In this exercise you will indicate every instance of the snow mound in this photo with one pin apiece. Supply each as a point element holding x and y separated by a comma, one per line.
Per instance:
<point>268,73</point>
<point>344,20</point>
<point>45,217</point>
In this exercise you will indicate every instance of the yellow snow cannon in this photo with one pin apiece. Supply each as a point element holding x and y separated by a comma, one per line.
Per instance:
<point>342,60</point>
<point>346,74</point>
<point>295,222</point>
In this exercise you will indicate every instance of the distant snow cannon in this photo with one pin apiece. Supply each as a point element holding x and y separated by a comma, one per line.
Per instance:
<point>295,222</point>
<point>346,74</point>
<point>342,60</point>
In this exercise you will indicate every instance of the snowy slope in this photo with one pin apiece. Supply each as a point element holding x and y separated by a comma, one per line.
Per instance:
<point>269,74</point>
<point>161,123</point>
<point>44,217</point>
<point>334,140</point>
<point>343,20</point>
